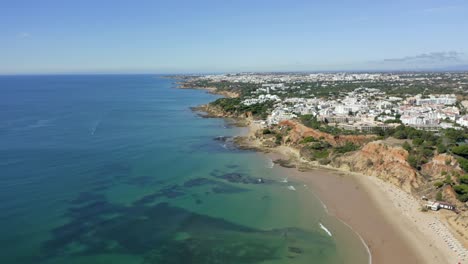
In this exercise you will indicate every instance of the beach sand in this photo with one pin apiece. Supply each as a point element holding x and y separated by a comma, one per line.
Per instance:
<point>389,220</point>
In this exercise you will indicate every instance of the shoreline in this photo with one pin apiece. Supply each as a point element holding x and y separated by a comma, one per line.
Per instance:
<point>399,232</point>
<point>385,218</point>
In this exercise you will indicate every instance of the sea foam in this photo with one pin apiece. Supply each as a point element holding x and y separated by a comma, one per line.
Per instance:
<point>325,229</point>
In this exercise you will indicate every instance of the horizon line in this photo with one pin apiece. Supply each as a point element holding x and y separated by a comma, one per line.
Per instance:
<point>236,72</point>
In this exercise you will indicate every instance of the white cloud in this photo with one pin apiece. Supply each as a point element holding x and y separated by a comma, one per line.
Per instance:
<point>433,57</point>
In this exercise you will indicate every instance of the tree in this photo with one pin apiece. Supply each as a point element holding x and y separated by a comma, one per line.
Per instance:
<point>441,148</point>
<point>464,179</point>
<point>439,196</point>
<point>461,150</point>
<point>413,161</point>
<point>455,135</point>
<point>462,192</point>
<point>418,141</point>
<point>463,163</point>
<point>448,180</point>
<point>406,146</point>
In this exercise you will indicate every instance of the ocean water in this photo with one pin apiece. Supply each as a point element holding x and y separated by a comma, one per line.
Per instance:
<point>118,169</point>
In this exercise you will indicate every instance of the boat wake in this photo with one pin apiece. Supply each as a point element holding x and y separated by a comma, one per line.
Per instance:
<point>285,180</point>
<point>325,229</point>
<point>290,187</point>
<point>94,128</point>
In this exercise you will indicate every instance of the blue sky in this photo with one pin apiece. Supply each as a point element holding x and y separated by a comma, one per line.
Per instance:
<point>219,36</point>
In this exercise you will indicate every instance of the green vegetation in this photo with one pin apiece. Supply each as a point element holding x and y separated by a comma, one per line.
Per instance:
<point>448,180</point>
<point>414,161</point>
<point>438,184</point>
<point>454,135</point>
<point>321,154</point>
<point>318,150</point>
<point>463,179</point>
<point>407,146</point>
<point>439,196</point>
<point>463,163</point>
<point>462,192</point>
<point>308,140</point>
<point>278,139</point>
<point>441,148</point>
<point>392,121</point>
<point>241,88</point>
<point>349,146</point>
<point>234,106</point>
<point>310,121</point>
<point>461,150</point>
<point>320,145</point>
<point>424,143</point>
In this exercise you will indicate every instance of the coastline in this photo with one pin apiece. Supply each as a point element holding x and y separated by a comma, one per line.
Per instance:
<point>387,219</point>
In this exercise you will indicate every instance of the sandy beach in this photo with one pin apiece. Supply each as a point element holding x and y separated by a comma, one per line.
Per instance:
<point>389,220</point>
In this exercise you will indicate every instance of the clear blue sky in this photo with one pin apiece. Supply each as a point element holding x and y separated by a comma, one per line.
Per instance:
<point>217,36</point>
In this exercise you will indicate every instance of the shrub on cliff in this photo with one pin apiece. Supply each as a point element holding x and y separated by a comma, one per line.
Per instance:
<point>349,146</point>
<point>406,146</point>
<point>308,140</point>
<point>441,148</point>
<point>463,163</point>
<point>463,179</point>
<point>448,180</point>
<point>278,139</point>
<point>310,121</point>
<point>320,145</point>
<point>321,154</point>
<point>438,184</point>
<point>461,150</point>
<point>462,192</point>
<point>413,161</point>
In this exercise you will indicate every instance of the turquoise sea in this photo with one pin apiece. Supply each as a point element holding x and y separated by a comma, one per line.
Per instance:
<point>118,169</point>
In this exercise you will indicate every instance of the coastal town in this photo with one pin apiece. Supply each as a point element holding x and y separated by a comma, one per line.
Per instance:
<point>408,130</point>
<point>363,108</point>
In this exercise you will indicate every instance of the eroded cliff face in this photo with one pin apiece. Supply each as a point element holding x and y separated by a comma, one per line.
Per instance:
<point>439,164</point>
<point>299,132</point>
<point>382,161</point>
<point>375,158</point>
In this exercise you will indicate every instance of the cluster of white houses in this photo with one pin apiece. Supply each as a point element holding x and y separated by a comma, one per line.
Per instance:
<point>357,111</point>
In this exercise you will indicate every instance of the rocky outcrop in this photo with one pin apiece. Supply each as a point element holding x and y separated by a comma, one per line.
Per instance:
<point>299,132</point>
<point>210,110</point>
<point>385,162</point>
<point>212,90</point>
<point>439,164</point>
